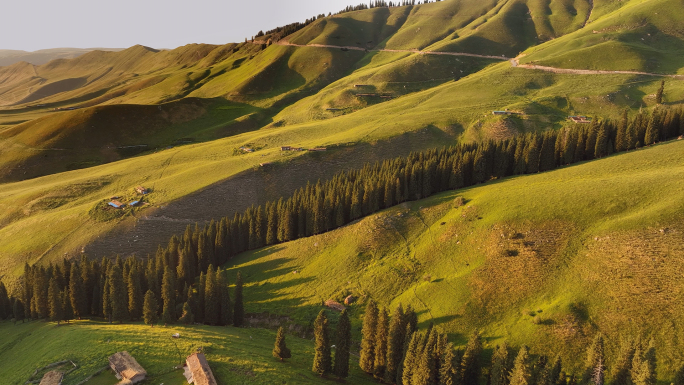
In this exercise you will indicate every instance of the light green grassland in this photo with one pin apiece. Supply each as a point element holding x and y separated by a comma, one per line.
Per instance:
<point>545,260</point>
<point>236,355</point>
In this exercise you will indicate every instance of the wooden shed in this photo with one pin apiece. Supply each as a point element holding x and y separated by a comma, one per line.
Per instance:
<point>197,370</point>
<point>126,368</point>
<point>334,305</point>
<point>141,190</point>
<point>52,377</point>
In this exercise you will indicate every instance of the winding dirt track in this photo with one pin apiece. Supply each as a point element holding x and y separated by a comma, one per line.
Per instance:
<point>514,61</point>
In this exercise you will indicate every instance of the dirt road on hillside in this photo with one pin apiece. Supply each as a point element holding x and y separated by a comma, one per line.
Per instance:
<point>352,48</point>
<point>514,61</point>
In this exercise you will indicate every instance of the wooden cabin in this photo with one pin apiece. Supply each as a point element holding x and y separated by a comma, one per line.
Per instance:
<point>197,370</point>
<point>126,368</point>
<point>52,377</point>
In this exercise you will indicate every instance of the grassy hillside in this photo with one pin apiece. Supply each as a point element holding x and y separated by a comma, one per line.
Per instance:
<point>639,36</point>
<point>236,355</point>
<point>546,260</point>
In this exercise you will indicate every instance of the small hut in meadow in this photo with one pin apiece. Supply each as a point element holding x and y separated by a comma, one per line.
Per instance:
<point>52,377</point>
<point>126,368</point>
<point>197,370</point>
<point>334,305</point>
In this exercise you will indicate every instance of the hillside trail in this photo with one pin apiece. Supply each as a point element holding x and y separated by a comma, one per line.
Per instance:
<point>514,61</point>
<point>352,48</point>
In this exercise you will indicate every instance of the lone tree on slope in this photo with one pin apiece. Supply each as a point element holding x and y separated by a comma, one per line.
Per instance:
<point>280,350</point>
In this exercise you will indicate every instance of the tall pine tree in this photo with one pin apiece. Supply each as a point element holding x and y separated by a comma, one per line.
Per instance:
<point>150,308</point>
<point>368,331</point>
<point>238,307</point>
<point>342,346</point>
<point>169,296</point>
<point>381,334</point>
<point>322,360</point>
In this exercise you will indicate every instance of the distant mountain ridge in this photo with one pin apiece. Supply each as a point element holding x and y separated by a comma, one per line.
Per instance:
<point>42,56</point>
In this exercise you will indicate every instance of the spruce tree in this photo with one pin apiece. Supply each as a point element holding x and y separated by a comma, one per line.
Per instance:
<point>134,295</point>
<point>395,344</point>
<point>77,294</point>
<point>280,350</point>
<point>193,303</point>
<point>66,305</point>
<point>652,130</point>
<point>55,302</point>
<point>522,372</point>
<point>370,319</point>
<point>381,334</point>
<point>117,294</point>
<point>408,336</point>
<point>621,135</point>
<point>448,371</point>
<point>322,361</point>
<point>532,155</point>
<point>501,365</point>
<point>425,371</point>
<point>150,308</point>
<point>199,315</point>
<point>659,93</point>
<point>238,306</point>
<point>225,304</point>
<point>106,300</point>
<point>412,358</point>
<point>470,364</point>
<point>169,297</point>
<point>601,148</point>
<point>342,346</point>
<point>211,300</point>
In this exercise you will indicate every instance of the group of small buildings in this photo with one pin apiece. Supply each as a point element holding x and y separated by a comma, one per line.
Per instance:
<point>290,148</point>
<point>579,119</point>
<point>115,203</point>
<point>196,369</point>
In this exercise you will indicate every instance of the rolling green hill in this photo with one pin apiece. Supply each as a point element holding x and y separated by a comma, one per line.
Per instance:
<point>265,83</point>
<point>545,260</point>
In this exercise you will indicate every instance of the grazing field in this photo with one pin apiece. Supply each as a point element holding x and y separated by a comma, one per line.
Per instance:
<point>236,355</point>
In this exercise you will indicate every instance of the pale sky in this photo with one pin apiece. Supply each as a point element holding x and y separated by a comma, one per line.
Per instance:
<point>39,24</point>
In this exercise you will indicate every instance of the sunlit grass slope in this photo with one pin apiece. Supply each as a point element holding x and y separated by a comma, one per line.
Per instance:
<point>235,355</point>
<point>545,260</point>
<point>639,36</point>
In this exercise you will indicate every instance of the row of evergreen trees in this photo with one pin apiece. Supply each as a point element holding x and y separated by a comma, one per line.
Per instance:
<point>353,194</point>
<point>396,353</point>
<point>123,290</point>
